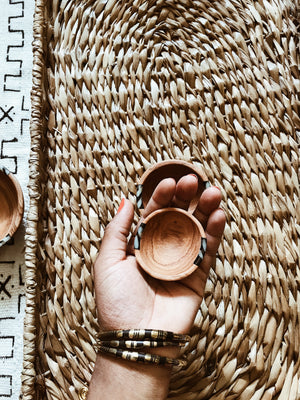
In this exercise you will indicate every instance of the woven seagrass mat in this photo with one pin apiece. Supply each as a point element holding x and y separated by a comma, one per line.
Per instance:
<point>119,85</point>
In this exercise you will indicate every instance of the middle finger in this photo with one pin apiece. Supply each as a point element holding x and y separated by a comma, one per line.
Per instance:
<point>186,190</point>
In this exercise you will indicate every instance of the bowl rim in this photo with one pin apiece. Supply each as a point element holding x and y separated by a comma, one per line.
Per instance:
<point>18,215</point>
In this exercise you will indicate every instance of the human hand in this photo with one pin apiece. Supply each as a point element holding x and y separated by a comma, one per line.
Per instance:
<point>126,296</point>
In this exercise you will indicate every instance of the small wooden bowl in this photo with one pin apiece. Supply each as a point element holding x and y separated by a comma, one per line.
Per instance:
<point>12,205</point>
<point>170,244</point>
<point>175,169</point>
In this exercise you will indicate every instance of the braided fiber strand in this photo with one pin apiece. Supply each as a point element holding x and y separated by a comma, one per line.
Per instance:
<point>124,84</point>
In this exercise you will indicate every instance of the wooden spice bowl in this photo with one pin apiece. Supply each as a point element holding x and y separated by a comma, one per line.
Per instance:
<point>11,205</point>
<point>170,244</point>
<point>175,169</point>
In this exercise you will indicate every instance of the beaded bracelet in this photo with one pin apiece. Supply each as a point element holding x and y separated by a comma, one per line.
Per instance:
<point>116,343</point>
<point>141,334</point>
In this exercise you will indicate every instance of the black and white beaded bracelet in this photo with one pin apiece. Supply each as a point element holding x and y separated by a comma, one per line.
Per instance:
<point>118,343</point>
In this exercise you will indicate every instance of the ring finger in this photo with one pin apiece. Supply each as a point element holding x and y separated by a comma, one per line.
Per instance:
<point>209,201</point>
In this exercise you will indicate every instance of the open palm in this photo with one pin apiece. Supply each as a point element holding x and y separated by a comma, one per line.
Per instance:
<point>126,296</point>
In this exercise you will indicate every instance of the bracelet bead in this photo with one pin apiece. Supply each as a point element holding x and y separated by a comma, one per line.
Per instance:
<point>82,395</point>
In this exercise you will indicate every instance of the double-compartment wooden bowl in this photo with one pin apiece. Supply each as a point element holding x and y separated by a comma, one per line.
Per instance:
<point>11,205</point>
<point>170,243</point>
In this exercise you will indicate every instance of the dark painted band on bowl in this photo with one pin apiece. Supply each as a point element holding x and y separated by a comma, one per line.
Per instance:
<point>202,251</point>
<point>137,239</point>
<point>206,184</point>
<point>139,200</point>
<point>5,240</point>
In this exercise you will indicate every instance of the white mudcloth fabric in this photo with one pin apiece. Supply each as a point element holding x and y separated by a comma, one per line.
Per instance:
<point>15,84</point>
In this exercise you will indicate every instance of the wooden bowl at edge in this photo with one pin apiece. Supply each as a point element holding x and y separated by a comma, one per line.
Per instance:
<point>11,205</point>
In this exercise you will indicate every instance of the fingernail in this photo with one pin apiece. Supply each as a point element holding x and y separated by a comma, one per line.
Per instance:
<point>217,188</point>
<point>194,175</point>
<point>121,205</point>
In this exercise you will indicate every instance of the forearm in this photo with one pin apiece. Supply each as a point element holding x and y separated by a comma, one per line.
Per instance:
<point>116,379</point>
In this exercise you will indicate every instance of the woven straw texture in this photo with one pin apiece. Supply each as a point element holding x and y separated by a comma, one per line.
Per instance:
<point>119,85</point>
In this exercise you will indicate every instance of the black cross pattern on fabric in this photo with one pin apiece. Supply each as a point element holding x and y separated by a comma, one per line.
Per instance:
<point>3,287</point>
<point>6,114</point>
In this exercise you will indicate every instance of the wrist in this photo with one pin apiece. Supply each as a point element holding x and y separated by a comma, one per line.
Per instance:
<point>117,378</point>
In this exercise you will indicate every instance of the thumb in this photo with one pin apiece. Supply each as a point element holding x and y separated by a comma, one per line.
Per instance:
<point>114,243</point>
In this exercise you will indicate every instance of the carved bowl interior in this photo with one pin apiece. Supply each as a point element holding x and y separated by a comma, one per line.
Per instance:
<point>170,243</point>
